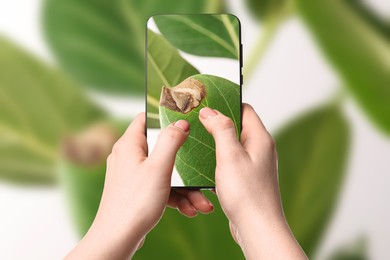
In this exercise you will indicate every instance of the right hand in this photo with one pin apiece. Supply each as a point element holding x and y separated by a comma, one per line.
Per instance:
<point>247,187</point>
<point>246,172</point>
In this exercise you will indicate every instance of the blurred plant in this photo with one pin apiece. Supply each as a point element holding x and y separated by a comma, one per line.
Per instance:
<point>39,106</point>
<point>312,152</point>
<point>357,250</point>
<point>101,45</point>
<point>358,50</point>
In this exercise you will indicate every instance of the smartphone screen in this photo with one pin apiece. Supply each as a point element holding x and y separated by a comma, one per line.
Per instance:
<point>192,61</point>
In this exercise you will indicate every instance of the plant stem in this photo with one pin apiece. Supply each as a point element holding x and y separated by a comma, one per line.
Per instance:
<point>269,29</point>
<point>213,6</point>
<point>153,101</point>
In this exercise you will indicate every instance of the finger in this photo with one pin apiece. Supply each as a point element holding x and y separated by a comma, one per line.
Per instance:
<point>141,243</point>
<point>173,199</point>
<point>198,200</point>
<point>133,141</point>
<point>223,131</point>
<point>168,143</point>
<point>180,202</point>
<point>253,133</point>
<point>185,207</point>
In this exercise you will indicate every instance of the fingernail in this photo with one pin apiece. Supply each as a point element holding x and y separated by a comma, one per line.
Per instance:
<point>207,112</point>
<point>183,125</point>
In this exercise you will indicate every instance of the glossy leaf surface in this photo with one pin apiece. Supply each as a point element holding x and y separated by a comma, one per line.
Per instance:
<point>203,35</point>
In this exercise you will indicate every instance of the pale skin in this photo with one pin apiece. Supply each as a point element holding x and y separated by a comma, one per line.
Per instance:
<point>137,190</point>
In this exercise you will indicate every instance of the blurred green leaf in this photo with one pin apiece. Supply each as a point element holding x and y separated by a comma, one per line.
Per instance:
<point>195,160</point>
<point>38,106</point>
<point>203,237</point>
<point>212,35</point>
<point>359,54</point>
<point>353,251</point>
<point>82,168</point>
<point>101,43</point>
<point>83,186</point>
<point>264,9</point>
<point>378,23</point>
<point>312,153</point>
<point>165,68</point>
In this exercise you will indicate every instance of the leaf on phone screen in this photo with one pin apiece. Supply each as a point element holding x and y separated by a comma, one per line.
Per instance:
<point>211,35</point>
<point>312,154</point>
<point>165,68</point>
<point>195,161</point>
<point>38,106</point>
<point>359,53</point>
<point>101,43</point>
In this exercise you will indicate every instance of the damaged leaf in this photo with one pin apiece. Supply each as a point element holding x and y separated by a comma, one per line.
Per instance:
<point>184,97</point>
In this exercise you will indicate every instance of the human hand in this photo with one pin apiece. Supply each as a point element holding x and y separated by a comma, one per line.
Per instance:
<point>137,188</point>
<point>247,186</point>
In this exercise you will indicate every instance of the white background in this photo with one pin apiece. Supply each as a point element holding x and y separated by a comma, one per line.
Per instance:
<point>292,78</point>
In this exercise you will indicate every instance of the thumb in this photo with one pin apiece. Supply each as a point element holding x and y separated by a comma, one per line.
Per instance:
<point>223,130</point>
<point>168,143</point>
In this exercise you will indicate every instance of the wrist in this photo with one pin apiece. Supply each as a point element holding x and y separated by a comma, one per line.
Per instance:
<point>108,239</point>
<point>267,236</point>
<point>258,221</point>
<point>260,212</point>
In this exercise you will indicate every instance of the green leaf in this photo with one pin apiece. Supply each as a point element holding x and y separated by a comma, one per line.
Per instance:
<point>212,35</point>
<point>312,154</point>
<point>357,250</point>
<point>38,107</point>
<point>264,9</point>
<point>165,67</point>
<point>83,188</point>
<point>203,237</point>
<point>195,161</point>
<point>378,23</point>
<point>101,43</point>
<point>359,53</point>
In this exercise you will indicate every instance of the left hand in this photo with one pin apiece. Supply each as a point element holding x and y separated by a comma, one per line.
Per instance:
<point>136,191</point>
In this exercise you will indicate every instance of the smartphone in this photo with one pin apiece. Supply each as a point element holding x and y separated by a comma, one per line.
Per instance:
<point>192,61</point>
